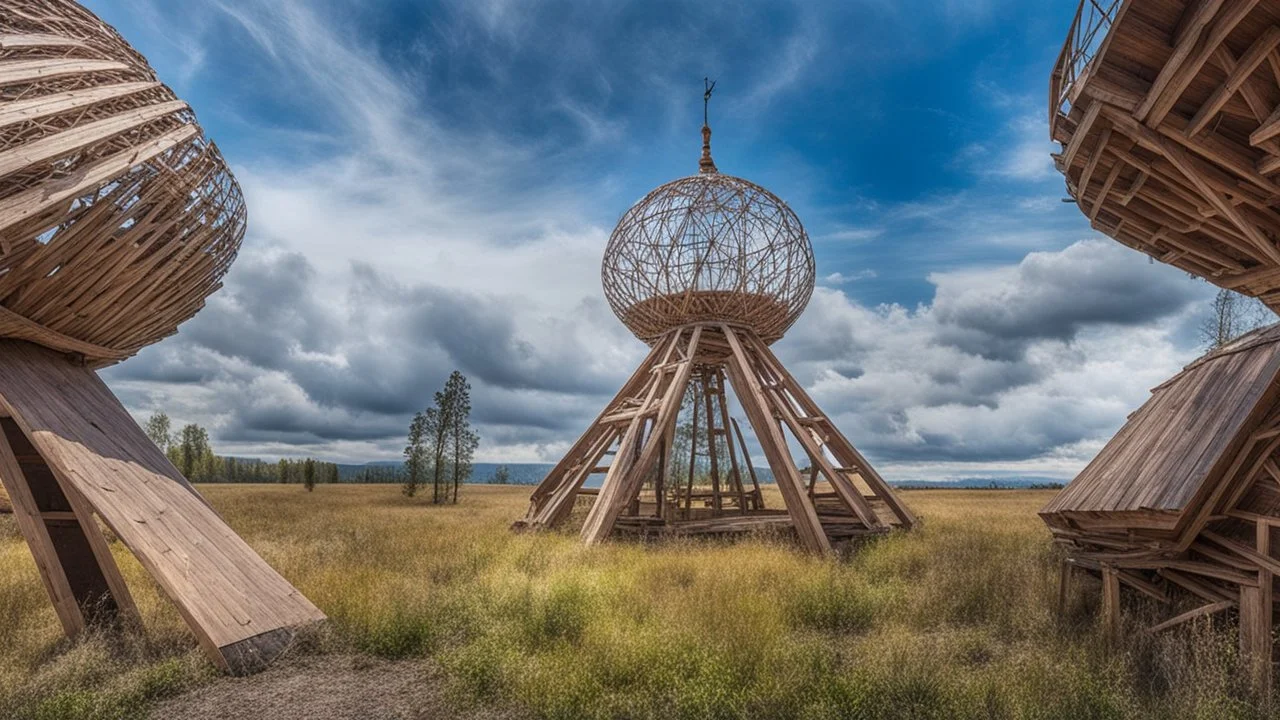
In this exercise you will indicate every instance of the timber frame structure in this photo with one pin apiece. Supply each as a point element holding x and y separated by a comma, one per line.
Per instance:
<point>118,217</point>
<point>1168,112</point>
<point>709,270</point>
<point>839,498</point>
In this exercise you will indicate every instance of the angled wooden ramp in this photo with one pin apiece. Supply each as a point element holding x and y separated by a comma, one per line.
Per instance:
<point>69,452</point>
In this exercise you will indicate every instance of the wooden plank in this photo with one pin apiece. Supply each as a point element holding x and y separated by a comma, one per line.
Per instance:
<point>16,72</point>
<point>236,605</point>
<point>82,136</point>
<point>48,105</point>
<point>751,396</point>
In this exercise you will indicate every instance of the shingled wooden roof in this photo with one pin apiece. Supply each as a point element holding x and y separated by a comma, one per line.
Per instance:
<point>1166,458</point>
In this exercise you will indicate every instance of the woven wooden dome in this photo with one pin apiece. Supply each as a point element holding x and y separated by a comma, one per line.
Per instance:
<point>117,217</point>
<point>709,247</point>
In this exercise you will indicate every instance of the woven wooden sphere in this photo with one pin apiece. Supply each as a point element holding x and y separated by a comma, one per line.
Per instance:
<point>708,248</point>
<point>117,216</point>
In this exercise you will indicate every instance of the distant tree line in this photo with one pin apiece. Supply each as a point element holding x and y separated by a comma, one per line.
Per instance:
<point>189,450</point>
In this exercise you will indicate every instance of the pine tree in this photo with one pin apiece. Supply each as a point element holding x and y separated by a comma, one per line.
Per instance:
<point>415,454</point>
<point>282,475</point>
<point>158,429</point>
<point>438,423</point>
<point>309,474</point>
<point>502,475</point>
<point>462,439</point>
<point>333,473</point>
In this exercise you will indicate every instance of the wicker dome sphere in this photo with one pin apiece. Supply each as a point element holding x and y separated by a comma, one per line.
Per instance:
<point>117,217</point>
<point>709,247</point>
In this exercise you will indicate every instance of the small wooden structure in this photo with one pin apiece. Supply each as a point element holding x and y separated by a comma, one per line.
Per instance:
<point>117,219</point>
<point>1168,112</point>
<point>709,270</point>
<point>1186,496</point>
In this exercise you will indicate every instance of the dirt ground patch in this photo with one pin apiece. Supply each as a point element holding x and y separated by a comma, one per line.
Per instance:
<point>328,687</point>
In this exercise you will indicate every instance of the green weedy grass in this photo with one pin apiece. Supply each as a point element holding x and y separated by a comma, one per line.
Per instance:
<point>953,621</point>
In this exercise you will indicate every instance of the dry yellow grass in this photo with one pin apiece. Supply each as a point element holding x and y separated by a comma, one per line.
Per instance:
<point>955,620</point>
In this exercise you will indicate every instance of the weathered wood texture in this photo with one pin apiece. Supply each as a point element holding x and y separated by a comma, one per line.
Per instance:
<point>239,608</point>
<point>117,217</point>
<point>1185,497</point>
<point>1168,112</point>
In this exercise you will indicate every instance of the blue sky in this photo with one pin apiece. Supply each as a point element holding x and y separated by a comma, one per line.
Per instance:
<point>430,186</point>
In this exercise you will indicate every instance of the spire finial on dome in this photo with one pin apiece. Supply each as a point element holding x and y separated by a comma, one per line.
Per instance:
<point>706,164</point>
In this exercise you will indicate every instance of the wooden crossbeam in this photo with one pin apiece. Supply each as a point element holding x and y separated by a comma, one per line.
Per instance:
<point>1185,70</point>
<point>1082,130</point>
<point>1202,611</point>
<point>1186,37</point>
<point>1253,57</point>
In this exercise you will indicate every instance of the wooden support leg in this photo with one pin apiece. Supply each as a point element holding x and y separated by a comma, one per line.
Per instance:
<point>1111,605</point>
<point>242,611</point>
<point>1255,622</point>
<point>747,386</point>
<point>75,563</point>
<point>1064,586</point>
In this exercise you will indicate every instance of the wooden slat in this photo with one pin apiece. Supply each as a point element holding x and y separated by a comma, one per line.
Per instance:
<point>14,72</point>
<point>42,106</point>
<point>240,609</point>
<point>82,136</point>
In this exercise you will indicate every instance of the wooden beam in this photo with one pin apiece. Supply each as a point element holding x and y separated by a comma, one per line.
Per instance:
<point>1255,636</point>
<point>1106,188</point>
<point>1081,131</point>
<point>1185,42</point>
<point>1111,604</point>
<point>1186,71</point>
<point>1189,169</point>
<point>1099,149</point>
<point>1268,130</point>
<point>1134,187</point>
<point>1253,57</point>
<point>1202,611</point>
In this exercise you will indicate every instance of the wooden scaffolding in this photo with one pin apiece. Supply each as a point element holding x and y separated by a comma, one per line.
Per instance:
<point>837,498</point>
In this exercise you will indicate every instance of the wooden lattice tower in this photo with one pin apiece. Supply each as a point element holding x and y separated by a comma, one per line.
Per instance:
<point>709,270</point>
<point>117,219</point>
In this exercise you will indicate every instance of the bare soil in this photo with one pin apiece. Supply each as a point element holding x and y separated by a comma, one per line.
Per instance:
<point>328,687</point>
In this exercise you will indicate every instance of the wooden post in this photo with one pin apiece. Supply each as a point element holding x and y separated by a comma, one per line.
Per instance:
<point>1111,605</point>
<point>1064,585</point>
<point>1255,622</point>
<point>717,503</point>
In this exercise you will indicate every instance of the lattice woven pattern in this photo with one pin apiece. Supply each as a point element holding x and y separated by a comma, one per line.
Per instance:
<point>117,217</point>
<point>710,247</point>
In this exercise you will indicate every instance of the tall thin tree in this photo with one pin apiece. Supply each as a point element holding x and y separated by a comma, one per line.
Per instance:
<point>462,439</point>
<point>415,454</point>
<point>309,474</point>
<point>440,423</point>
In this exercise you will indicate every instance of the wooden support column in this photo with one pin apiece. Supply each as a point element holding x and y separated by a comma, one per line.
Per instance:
<point>1111,604</point>
<point>1255,621</point>
<point>1064,585</point>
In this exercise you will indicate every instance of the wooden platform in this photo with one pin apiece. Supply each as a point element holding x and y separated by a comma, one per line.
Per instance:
<point>70,455</point>
<point>1168,112</point>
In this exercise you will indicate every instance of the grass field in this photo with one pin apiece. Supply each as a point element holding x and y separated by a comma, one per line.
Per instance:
<point>953,621</point>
